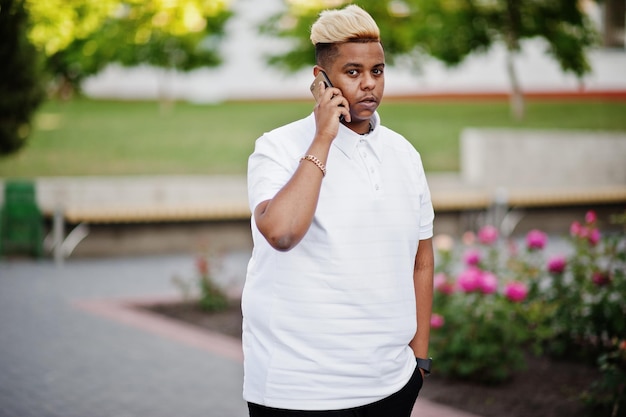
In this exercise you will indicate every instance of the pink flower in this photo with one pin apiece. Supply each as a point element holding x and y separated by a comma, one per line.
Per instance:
<point>584,233</point>
<point>488,283</point>
<point>601,279</point>
<point>437,321</point>
<point>511,245</point>
<point>593,237</point>
<point>516,291</point>
<point>469,280</point>
<point>202,266</point>
<point>556,264</point>
<point>442,284</point>
<point>439,279</point>
<point>488,235</point>
<point>575,229</point>
<point>443,243</point>
<point>472,257</point>
<point>536,239</point>
<point>590,217</point>
<point>592,234</point>
<point>468,238</point>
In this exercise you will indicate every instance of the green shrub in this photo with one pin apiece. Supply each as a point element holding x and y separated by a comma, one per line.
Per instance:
<point>21,85</point>
<point>607,395</point>
<point>210,296</point>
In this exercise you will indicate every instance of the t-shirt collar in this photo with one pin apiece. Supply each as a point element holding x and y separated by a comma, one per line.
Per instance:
<point>348,140</point>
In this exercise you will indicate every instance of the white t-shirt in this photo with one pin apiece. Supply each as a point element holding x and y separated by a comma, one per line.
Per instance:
<point>328,323</point>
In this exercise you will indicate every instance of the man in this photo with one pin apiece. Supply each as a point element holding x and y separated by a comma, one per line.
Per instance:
<point>338,294</point>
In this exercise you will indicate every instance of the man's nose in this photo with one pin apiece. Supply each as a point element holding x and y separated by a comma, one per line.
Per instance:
<point>368,82</point>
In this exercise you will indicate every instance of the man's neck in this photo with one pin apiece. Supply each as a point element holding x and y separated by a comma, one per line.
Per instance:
<point>362,128</point>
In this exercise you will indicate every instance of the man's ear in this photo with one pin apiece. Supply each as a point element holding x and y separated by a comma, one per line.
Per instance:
<point>316,70</point>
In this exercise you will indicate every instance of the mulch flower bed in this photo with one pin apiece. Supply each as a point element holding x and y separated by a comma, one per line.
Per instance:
<point>545,389</point>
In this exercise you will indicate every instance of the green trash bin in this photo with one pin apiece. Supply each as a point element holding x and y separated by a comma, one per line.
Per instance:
<point>21,221</point>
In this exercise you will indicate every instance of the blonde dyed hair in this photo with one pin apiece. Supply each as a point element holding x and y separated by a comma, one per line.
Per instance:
<point>350,24</point>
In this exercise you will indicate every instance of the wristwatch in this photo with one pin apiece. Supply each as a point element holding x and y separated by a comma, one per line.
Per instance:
<point>424,364</point>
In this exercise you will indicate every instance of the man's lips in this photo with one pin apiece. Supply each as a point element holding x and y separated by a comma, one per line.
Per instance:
<point>368,102</point>
<point>369,99</point>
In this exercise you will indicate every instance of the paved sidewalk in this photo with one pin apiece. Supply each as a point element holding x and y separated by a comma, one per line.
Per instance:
<point>67,348</point>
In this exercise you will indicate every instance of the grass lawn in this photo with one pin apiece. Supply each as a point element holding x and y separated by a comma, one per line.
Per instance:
<point>88,137</point>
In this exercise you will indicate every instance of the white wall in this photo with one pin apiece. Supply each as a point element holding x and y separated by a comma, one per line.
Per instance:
<point>245,76</point>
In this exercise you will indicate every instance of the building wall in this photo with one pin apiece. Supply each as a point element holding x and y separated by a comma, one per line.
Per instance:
<point>244,74</point>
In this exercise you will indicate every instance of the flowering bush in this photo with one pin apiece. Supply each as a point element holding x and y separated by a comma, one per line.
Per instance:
<point>588,292</point>
<point>211,297</point>
<point>497,300</point>
<point>588,323</point>
<point>478,330</point>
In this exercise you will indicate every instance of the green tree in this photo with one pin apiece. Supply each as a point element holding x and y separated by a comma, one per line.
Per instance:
<point>21,85</point>
<point>450,30</point>
<point>81,37</point>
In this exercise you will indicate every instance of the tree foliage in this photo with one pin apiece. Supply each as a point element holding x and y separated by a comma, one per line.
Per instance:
<point>449,30</point>
<point>21,85</point>
<point>81,37</point>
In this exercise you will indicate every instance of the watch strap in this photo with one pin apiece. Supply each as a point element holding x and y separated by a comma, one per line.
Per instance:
<point>424,364</point>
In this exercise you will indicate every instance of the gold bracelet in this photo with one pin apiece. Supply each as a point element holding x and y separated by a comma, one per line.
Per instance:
<point>316,161</point>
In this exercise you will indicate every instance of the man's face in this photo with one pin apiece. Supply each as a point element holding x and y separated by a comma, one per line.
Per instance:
<point>358,71</point>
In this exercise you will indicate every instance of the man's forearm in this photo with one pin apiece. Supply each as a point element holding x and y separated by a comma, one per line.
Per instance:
<point>285,219</point>
<point>423,282</point>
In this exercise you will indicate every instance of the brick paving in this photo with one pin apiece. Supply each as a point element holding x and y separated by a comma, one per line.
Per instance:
<point>57,360</point>
<point>69,347</point>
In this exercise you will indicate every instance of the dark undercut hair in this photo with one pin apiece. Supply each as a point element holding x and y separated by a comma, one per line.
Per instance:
<point>327,52</point>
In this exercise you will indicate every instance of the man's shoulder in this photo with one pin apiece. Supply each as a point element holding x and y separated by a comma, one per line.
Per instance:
<point>390,132</point>
<point>288,139</point>
<point>393,138</point>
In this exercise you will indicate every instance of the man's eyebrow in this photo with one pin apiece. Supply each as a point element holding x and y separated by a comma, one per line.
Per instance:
<point>358,65</point>
<point>352,65</point>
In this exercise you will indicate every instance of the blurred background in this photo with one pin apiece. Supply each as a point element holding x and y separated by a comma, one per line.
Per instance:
<point>125,128</point>
<point>244,73</point>
<point>116,111</point>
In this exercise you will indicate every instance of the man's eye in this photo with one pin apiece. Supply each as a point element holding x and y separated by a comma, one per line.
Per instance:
<point>377,71</point>
<point>352,72</point>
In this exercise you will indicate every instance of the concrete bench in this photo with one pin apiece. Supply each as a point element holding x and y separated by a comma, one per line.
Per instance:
<point>506,169</point>
<point>85,201</point>
<point>143,199</point>
<point>543,159</point>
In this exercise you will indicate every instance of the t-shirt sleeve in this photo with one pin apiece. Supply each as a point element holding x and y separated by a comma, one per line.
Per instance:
<point>269,169</point>
<point>427,213</point>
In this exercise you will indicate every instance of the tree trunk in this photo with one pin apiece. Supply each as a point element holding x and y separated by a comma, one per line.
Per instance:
<point>516,98</point>
<point>166,81</point>
<point>512,31</point>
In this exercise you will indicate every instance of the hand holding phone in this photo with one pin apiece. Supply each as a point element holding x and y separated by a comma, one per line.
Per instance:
<point>315,86</point>
<point>316,91</point>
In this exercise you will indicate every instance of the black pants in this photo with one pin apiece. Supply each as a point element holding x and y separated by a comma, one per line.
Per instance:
<point>399,404</point>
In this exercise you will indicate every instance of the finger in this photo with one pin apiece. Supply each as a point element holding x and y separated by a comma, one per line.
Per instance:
<point>322,87</point>
<point>345,108</point>
<point>345,112</point>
